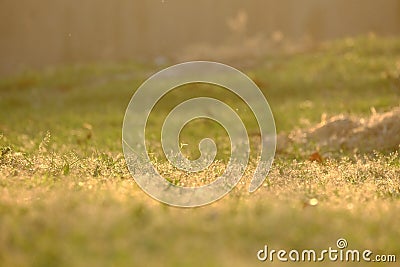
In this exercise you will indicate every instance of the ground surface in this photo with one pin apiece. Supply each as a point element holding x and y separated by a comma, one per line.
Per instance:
<point>67,198</point>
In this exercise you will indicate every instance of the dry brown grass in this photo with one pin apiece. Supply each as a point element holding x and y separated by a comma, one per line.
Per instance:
<point>380,131</point>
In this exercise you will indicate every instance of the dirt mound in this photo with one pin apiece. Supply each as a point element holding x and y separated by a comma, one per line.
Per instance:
<point>381,131</point>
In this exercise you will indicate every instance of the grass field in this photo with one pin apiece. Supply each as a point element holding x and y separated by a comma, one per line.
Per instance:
<point>67,198</point>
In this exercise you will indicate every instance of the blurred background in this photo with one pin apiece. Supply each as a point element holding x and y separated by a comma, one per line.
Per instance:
<point>37,34</point>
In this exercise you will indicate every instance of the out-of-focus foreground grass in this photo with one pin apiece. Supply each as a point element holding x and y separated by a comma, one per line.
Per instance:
<point>67,198</point>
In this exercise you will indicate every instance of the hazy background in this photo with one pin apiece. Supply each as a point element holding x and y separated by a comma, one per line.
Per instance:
<point>36,34</point>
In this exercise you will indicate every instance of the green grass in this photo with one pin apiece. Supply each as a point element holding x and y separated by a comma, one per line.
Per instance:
<point>67,198</point>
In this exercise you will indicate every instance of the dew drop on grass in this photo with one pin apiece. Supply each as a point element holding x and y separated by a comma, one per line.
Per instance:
<point>313,202</point>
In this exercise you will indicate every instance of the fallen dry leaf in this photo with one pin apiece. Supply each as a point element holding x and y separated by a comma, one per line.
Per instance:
<point>316,157</point>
